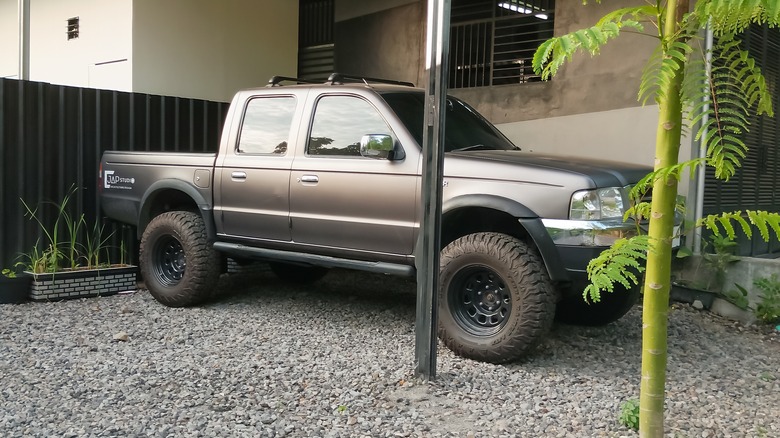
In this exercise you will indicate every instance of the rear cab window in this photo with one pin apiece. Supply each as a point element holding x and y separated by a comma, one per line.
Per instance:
<point>265,128</point>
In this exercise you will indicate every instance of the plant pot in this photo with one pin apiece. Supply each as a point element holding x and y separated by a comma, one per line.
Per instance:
<point>83,283</point>
<point>686,294</point>
<point>14,290</point>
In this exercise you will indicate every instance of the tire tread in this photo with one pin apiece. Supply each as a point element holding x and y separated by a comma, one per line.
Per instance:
<point>538,297</point>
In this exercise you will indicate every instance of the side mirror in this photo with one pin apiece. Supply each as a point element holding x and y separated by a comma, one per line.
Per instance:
<point>378,146</point>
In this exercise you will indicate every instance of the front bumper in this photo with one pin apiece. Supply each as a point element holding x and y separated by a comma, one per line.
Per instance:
<point>579,242</point>
<point>600,233</point>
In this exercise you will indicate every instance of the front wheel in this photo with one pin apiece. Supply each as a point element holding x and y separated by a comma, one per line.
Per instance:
<point>179,266</point>
<point>496,301</point>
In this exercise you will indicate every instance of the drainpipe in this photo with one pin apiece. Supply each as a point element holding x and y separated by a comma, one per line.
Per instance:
<point>24,40</point>
<point>698,191</point>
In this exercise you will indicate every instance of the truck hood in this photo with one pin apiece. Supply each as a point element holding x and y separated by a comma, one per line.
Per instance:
<point>537,168</point>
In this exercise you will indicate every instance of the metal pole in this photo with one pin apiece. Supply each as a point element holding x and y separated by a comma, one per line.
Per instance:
<point>700,150</point>
<point>24,40</point>
<point>427,256</point>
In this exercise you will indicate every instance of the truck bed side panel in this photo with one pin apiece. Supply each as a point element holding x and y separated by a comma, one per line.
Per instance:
<point>127,177</point>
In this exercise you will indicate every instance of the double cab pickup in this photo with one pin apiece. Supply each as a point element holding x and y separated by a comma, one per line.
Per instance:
<point>315,176</point>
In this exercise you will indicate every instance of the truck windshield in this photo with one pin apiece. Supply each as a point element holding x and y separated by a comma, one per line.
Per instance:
<point>465,128</point>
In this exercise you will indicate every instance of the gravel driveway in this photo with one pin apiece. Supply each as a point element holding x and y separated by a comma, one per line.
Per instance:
<point>336,359</point>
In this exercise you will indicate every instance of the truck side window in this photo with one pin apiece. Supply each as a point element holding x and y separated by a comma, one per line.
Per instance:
<point>340,122</point>
<point>266,125</point>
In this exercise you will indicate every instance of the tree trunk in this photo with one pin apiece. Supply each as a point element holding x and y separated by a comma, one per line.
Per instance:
<point>658,273</point>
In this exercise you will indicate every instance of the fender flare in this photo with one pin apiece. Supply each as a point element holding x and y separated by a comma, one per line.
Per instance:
<point>204,206</point>
<point>526,218</point>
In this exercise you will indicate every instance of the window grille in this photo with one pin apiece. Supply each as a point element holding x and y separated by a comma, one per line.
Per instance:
<point>492,42</point>
<point>73,28</point>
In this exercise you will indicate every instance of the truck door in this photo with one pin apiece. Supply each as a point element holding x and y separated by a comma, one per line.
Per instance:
<point>340,199</point>
<point>254,178</point>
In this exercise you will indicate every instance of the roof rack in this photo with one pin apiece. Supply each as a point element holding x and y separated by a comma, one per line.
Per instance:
<point>275,80</point>
<point>338,78</point>
<point>335,79</point>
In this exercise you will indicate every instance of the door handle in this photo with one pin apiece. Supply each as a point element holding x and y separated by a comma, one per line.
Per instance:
<point>238,175</point>
<point>309,179</point>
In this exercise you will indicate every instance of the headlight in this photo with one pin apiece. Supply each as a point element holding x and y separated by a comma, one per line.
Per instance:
<point>597,204</point>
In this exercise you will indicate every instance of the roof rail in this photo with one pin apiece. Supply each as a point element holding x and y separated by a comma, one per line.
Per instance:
<point>275,81</point>
<point>338,78</point>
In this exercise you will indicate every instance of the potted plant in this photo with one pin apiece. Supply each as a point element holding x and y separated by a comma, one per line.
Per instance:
<point>13,288</point>
<point>73,261</point>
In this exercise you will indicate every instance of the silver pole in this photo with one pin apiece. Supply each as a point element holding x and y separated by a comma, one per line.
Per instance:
<point>438,45</point>
<point>24,39</point>
<point>701,151</point>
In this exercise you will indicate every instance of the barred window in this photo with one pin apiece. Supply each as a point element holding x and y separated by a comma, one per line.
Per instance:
<point>493,41</point>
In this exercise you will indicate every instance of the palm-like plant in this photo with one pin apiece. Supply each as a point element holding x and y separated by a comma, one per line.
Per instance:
<point>715,90</point>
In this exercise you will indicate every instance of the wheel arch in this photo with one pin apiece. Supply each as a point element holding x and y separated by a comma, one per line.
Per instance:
<point>489,213</point>
<point>170,195</point>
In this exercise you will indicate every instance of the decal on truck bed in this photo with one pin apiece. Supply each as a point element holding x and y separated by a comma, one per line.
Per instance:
<point>112,181</point>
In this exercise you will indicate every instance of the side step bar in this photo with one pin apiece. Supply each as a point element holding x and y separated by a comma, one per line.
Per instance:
<point>239,250</point>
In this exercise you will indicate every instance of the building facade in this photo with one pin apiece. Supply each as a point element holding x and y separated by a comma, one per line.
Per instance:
<point>191,48</point>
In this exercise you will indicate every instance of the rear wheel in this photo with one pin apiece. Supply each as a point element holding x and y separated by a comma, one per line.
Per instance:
<point>179,266</point>
<point>496,301</point>
<point>298,274</point>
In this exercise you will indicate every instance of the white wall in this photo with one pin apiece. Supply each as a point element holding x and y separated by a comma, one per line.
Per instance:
<point>9,39</point>
<point>620,135</point>
<point>104,37</point>
<point>209,49</point>
<point>625,135</point>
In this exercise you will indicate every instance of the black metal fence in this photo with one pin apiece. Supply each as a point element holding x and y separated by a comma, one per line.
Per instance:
<point>52,138</point>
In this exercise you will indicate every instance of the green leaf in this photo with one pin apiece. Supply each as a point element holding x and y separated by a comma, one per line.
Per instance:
<point>616,264</point>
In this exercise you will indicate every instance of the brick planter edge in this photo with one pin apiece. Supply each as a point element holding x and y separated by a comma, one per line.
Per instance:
<point>82,283</point>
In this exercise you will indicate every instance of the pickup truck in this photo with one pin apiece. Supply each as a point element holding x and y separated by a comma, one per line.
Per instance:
<point>315,176</point>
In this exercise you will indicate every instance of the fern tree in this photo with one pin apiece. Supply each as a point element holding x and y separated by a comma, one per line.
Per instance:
<point>715,91</point>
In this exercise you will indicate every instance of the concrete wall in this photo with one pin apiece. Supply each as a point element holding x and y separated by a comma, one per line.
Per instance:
<point>346,9</point>
<point>589,109</point>
<point>594,131</point>
<point>99,57</point>
<point>387,44</point>
<point>9,39</point>
<point>210,49</point>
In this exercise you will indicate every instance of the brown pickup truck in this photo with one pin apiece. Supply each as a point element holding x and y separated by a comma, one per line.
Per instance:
<point>315,176</point>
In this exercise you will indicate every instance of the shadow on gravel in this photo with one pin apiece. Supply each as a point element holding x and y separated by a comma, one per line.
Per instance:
<point>378,301</point>
<point>344,291</point>
<point>338,286</point>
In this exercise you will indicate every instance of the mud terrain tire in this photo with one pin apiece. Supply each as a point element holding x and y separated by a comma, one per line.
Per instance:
<point>496,301</point>
<point>178,264</point>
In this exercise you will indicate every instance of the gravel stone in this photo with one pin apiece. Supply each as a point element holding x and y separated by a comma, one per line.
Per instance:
<point>335,359</point>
